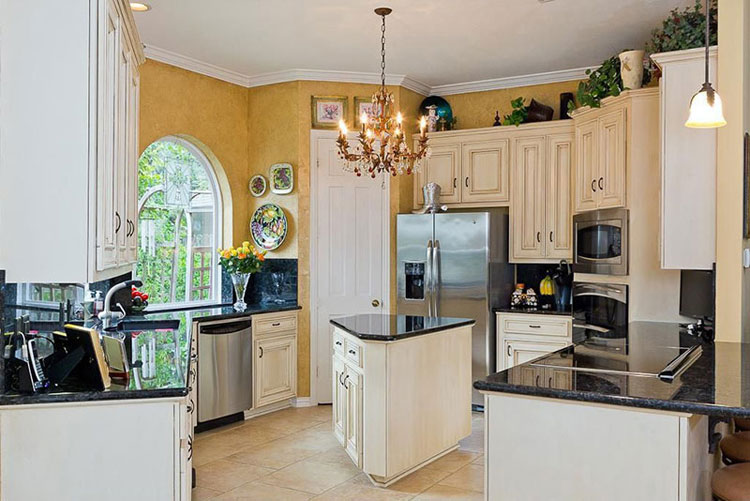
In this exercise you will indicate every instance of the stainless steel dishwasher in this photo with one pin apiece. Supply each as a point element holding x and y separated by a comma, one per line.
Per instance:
<point>225,368</point>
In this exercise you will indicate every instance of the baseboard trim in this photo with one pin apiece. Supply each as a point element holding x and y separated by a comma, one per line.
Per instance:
<point>303,402</point>
<point>267,409</point>
<point>385,482</point>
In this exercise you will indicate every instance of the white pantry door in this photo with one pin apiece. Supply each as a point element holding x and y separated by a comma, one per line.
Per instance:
<point>350,239</point>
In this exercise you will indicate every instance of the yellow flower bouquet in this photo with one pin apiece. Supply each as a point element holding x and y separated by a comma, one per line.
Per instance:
<point>240,263</point>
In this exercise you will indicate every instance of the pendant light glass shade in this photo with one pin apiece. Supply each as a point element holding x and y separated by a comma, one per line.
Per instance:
<point>706,110</point>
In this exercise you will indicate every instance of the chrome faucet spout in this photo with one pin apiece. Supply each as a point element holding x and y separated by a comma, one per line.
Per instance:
<point>107,316</point>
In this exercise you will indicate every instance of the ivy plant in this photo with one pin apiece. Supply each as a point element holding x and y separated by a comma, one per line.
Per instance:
<point>603,82</point>
<point>684,29</point>
<point>519,113</point>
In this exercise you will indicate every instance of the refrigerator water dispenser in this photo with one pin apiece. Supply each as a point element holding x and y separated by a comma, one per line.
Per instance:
<point>414,274</point>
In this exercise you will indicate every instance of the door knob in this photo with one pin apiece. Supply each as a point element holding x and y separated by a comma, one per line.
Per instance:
<point>375,303</point>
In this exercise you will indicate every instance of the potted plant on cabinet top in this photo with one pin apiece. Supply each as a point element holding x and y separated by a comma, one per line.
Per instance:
<point>684,29</point>
<point>240,263</point>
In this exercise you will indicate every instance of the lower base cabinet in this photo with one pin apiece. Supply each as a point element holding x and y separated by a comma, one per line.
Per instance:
<point>274,358</point>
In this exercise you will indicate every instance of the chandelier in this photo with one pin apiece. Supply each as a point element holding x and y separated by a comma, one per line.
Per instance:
<point>382,147</point>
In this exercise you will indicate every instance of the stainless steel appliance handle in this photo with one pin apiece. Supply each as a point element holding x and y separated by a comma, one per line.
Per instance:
<point>603,290</point>
<point>592,327</point>
<point>225,327</point>
<point>681,363</point>
<point>435,277</point>
<point>428,278</point>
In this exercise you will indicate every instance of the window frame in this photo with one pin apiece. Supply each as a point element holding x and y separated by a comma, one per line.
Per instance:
<point>218,218</point>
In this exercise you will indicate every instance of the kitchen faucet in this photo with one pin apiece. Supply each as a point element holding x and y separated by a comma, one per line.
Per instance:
<point>107,316</point>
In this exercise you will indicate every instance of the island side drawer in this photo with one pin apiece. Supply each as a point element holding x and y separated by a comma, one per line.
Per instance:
<point>536,325</point>
<point>338,342</point>
<point>263,324</point>
<point>354,352</point>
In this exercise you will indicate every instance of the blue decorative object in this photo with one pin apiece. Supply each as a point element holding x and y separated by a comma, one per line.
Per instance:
<point>443,109</point>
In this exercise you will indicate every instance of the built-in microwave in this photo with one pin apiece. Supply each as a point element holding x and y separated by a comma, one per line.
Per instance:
<point>600,242</point>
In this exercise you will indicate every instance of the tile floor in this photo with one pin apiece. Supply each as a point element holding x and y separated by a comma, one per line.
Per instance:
<point>293,455</point>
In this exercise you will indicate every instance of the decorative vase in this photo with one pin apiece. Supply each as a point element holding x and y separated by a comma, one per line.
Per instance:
<point>631,68</point>
<point>239,281</point>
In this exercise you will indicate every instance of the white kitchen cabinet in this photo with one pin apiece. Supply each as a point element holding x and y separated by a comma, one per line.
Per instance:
<point>688,165</point>
<point>484,171</point>
<point>68,150</point>
<point>442,167</point>
<point>541,219</point>
<point>274,358</point>
<point>386,412</point>
<point>522,337</point>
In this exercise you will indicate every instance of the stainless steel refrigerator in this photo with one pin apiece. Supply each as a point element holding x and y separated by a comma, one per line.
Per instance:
<point>455,264</point>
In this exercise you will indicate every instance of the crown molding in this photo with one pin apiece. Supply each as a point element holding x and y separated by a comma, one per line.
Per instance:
<point>195,65</point>
<point>510,82</point>
<point>684,55</point>
<point>211,70</point>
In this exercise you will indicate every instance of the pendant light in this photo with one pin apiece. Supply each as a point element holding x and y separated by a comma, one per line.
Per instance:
<point>705,106</point>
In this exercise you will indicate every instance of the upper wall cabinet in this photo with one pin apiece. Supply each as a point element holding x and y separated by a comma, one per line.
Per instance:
<point>601,156</point>
<point>688,165</point>
<point>471,167</point>
<point>69,92</point>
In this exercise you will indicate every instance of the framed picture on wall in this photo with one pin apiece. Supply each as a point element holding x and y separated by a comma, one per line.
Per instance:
<point>363,105</point>
<point>327,111</point>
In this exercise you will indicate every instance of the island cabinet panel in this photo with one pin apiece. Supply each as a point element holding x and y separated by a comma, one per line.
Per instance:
<point>407,404</point>
<point>592,451</point>
<point>87,169</point>
<point>89,451</point>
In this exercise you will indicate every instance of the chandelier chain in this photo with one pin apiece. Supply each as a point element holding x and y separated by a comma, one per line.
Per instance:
<point>382,52</point>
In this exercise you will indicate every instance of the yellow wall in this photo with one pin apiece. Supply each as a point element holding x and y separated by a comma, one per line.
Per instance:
<point>477,109</point>
<point>248,130</point>
<point>179,102</point>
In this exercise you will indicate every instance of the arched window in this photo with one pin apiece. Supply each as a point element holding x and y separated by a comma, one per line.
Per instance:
<point>179,224</point>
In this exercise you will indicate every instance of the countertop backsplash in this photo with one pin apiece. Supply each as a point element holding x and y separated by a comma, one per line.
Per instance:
<point>276,282</point>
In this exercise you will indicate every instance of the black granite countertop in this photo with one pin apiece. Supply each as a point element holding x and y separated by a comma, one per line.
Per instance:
<point>716,384</point>
<point>168,375</point>
<point>532,311</point>
<point>383,327</point>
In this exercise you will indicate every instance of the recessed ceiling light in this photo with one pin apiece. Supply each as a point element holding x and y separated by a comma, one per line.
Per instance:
<point>139,6</point>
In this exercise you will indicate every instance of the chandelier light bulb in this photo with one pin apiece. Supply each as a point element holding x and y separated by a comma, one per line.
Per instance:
<point>399,118</point>
<point>363,118</point>
<point>342,127</point>
<point>422,123</point>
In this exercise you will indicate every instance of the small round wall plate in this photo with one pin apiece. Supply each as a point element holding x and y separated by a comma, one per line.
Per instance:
<point>257,185</point>
<point>268,226</point>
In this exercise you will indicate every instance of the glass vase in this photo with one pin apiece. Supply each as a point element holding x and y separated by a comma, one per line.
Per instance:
<point>239,281</point>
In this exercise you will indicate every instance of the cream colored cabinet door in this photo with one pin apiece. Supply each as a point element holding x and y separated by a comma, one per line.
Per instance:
<point>339,400</point>
<point>442,167</point>
<point>108,219</point>
<point>485,171</point>
<point>518,352</point>
<point>131,226</point>
<point>586,166</point>
<point>612,178</point>
<point>528,198</point>
<point>559,232</point>
<point>122,228</point>
<point>353,421</point>
<point>275,369</point>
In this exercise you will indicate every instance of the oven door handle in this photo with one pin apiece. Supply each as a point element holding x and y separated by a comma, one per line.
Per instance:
<point>592,327</point>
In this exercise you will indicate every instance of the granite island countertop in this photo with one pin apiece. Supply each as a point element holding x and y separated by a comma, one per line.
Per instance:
<point>384,327</point>
<point>716,384</point>
<point>172,364</point>
<point>533,311</point>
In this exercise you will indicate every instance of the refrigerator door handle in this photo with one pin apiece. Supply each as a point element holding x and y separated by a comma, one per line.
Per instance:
<point>428,278</point>
<point>435,269</point>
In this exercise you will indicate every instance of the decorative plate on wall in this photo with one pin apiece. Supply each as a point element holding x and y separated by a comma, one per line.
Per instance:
<point>268,226</point>
<point>282,178</point>
<point>257,185</point>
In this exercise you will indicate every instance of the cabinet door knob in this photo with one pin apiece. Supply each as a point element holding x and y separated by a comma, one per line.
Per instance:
<point>119,222</point>
<point>593,185</point>
<point>261,352</point>
<point>601,180</point>
<point>467,182</point>
<point>509,351</point>
<point>550,236</point>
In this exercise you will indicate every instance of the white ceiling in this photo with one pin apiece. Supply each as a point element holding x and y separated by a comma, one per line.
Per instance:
<point>437,42</point>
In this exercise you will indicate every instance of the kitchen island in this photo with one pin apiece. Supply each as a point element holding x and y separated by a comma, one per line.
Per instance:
<point>401,390</point>
<point>600,422</point>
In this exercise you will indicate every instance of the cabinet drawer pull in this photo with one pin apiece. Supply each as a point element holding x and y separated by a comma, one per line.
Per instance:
<point>345,386</point>
<point>601,180</point>
<point>509,351</point>
<point>261,351</point>
<point>550,236</point>
<point>275,324</point>
<point>534,326</point>
<point>550,382</point>
<point>467,182</point>
<point>593,185</point>
<point>119,222</point>
<point>338,343</point>
<point>537,380</point>
<point>340,381</point>
<point>352,352</point>
<point>539,236</point>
